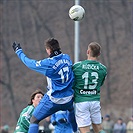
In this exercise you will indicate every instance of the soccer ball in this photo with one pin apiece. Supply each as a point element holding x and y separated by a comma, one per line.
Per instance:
<point>76,12</point>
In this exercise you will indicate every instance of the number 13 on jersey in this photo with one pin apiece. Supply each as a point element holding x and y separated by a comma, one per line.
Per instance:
<point>93,76</point>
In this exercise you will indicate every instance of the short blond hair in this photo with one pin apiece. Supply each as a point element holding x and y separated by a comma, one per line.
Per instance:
<point>95,49</point>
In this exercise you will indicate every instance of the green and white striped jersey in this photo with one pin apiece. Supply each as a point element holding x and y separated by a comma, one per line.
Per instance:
<point>24,120</point>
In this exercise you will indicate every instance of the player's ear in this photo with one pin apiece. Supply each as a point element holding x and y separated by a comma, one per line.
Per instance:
<point>99,53</point>
<point>88,51</point>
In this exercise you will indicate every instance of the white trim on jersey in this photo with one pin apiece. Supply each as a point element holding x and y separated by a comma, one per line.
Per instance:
<point>59,100</point>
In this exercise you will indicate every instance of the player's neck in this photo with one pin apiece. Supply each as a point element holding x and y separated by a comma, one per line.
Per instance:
<point>92,58</point>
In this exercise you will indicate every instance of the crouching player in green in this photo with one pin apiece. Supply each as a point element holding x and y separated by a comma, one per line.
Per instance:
<point>24,119</point>
<point>89,77</point>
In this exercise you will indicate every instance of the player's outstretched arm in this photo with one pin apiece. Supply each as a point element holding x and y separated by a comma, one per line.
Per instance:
<point>30,63</point>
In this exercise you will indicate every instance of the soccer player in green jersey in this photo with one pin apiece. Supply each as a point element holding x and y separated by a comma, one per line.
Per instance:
<point>89,77</point>
<point>24,119</point>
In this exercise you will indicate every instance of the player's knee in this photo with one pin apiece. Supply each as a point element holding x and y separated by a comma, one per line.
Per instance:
<point>34,120</point>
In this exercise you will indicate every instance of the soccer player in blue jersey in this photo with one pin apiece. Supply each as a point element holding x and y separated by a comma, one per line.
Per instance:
<point>58,70</point>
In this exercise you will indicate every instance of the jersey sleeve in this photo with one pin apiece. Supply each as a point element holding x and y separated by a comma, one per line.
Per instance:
<point>103,81</point>
<point>38,66</point>
<point>74,67</point>
<point>25,116</point>
<point>105,74</point>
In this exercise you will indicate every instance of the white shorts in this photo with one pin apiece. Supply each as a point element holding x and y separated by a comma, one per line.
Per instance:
<point>87,113</point>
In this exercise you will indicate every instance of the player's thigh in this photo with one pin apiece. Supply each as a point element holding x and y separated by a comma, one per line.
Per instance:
<point>82,114</point>
<point>95,112</point>
<point>67,106</point>
<point>45,108</point>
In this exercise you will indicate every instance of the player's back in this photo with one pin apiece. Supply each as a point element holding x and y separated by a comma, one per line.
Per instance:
<point>89,77</point>
<point>60,75</point>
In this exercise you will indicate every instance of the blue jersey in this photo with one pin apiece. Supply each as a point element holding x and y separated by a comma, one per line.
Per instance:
<point>58,71</point>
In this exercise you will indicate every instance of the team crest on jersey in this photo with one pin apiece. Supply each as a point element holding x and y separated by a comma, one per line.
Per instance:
<point>38,63</point>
